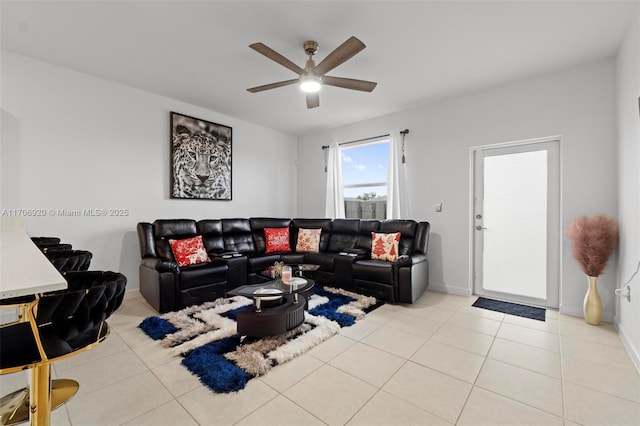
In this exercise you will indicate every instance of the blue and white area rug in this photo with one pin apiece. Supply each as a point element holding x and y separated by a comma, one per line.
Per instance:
<point>206,336</point>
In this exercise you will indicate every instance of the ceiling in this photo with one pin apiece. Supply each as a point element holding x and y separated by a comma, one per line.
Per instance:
<point>417,51</point>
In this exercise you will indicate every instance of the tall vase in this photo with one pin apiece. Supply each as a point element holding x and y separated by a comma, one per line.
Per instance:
<point>592,303</point>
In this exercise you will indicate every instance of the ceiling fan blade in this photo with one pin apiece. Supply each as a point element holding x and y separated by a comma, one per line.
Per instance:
<point>273,85</point>
<point>313,100</point>
<point>275,56</point>
<point>342,53</point>
<point>349,83</point>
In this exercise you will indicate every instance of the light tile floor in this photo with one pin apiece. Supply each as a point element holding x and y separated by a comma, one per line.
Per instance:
<point>439,361</point>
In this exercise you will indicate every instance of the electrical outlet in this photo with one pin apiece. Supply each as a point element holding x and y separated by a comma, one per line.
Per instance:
<point>438,207</point>
<point>627,295</point>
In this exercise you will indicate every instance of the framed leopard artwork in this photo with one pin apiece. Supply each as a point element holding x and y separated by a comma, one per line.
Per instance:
<point>200,159</point>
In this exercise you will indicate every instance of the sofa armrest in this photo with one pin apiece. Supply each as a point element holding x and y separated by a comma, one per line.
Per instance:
<point>236,264</point>
<point>160,265</point>
<point>403,260</point>
<point>224,255</point>
<point>356,251</point>
<point>406,260</point>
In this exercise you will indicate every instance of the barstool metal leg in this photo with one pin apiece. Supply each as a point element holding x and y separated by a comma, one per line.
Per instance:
<point>40,395</point>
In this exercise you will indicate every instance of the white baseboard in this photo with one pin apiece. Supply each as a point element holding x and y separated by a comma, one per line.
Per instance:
<point>578,311</point>
<point>628,345</point>
<point>458,291</point>
<point>132,293</point>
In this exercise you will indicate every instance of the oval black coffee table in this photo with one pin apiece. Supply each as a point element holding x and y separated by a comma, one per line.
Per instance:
<point>272,313</point>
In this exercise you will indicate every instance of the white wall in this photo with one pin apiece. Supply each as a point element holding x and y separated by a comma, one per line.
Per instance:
<point>72,141</point>
<point>578,104</point>
<point>628,314</point>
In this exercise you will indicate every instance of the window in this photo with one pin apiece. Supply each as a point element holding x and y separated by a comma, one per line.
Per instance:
<point>364,179</point>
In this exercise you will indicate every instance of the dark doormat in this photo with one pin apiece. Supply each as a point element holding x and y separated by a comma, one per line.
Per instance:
<point>510,308</point>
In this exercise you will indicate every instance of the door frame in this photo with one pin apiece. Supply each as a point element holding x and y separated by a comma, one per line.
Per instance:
<point>554,256</point>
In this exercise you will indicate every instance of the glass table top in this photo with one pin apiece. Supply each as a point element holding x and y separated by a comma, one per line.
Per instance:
<point>273,288</point>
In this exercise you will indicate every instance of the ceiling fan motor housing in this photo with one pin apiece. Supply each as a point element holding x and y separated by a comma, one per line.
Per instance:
<point>311,47</point>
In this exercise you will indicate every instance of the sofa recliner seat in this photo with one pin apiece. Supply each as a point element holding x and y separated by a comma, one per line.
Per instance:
<point>238,253</point>
<point>164,284</point>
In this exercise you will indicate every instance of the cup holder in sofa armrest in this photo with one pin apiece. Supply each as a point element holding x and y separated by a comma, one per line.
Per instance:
<point>225,255</point>
<point>404,260</point>
<point>414,258</point>
<point>357,251</point>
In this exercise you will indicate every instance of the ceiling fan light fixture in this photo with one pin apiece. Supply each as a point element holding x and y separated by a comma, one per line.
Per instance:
<point>310,84</point>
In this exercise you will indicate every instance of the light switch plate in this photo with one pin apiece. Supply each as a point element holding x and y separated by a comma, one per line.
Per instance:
<point>438,207</point>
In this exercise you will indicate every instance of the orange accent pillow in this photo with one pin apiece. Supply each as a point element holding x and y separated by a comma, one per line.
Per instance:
<point>277,240</point>
<point>189,251</point>
<point>308,240</point>
<point>385,246</point>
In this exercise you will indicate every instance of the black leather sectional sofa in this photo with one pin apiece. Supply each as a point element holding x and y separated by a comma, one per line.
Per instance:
<point>344,257</point>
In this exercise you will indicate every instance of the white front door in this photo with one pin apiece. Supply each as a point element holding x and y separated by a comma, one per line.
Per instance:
<point>516,222</point>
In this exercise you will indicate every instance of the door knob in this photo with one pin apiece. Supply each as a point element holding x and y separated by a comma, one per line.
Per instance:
<point>480,227</point>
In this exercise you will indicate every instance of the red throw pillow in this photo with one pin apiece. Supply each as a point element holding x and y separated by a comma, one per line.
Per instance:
<point>385,246</point>
<point>189,251</point>
<point>277,240</point>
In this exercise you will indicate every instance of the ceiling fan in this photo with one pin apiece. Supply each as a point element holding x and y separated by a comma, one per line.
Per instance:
<point>312,76</point>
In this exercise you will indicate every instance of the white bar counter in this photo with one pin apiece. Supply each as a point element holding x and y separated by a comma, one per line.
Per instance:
<point>24,269</point>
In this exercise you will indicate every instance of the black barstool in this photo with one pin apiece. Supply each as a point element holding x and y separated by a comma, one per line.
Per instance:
<point>47,244</point>
<point>60,324</point>
<point>70,260</point>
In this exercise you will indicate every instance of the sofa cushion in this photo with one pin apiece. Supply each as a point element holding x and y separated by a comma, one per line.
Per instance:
<point>407,229</point>
<point>344,234</point>
<point>189,251</point>
<point>259,262</point>
<point>236,234</point>
<point>308,240</point>
<point>175,228</point>
<point>172,229</point>
<point>325,260</point>
<point>385,246</point>
<point>193,276</point>
<point>211,231</point>
<point>367,226</point>
<point>277,240</point>
<point>373,270</point>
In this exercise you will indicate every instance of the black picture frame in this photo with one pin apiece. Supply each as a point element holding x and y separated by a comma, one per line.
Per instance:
<point>200,166</point>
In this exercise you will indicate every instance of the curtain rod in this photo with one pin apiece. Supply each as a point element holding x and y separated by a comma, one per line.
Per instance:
<point>364,140</point>
<point>403,132</point>
<point>358,140</point>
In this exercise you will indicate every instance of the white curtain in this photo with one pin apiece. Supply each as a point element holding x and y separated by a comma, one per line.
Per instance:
<point>397,195</point>
<point>334,207</point>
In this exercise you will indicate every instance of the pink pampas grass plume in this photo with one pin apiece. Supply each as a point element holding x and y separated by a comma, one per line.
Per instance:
<point>594,239</point>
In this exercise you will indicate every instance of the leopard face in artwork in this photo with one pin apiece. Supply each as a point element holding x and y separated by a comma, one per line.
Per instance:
<point>201,166</point>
